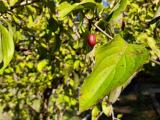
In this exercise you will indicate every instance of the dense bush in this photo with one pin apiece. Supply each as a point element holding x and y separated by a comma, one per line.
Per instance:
<point>52,57</point>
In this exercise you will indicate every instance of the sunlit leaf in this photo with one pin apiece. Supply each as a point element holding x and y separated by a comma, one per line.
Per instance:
<point>120,7</point>
<point>13,2</point>
<point>157,14</point>
<point>65,8</point>
<point>6,47</point>
<point>116,62</point>
<point>107,109</point>
<point>95,112</point>
<point>41,65</point>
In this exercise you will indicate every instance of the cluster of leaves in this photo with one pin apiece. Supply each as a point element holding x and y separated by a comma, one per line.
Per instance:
<point>49,64</point>
<point>52,58</point>
<point>145,25</point>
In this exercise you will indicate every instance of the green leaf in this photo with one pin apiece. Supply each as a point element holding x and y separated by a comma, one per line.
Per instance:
<point>157,14</point>
<point>95,112</point>
<point>120,7</point>
<point>145,39</point>
<point>65,8</point>
<point>156,17</point>
<point>41,65</point>
<point>116,62</point>
<point>6,47</point>
<point>13,2</point>
<point>107,109</point>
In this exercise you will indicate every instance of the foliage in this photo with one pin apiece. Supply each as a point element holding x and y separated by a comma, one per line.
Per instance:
<point>6,47</point>
<point>115,64</point>
<point>52,58</point>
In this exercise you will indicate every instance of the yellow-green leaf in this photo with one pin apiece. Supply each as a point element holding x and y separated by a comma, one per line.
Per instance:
<point>115,63</point>
<point>6,47</point>
<point>120,7</point>
<point>65,8</point>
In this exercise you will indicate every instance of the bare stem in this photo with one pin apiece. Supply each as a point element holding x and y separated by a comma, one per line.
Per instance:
<point>110,37</point>
<point>99,115</point>
<point>156,62</point>
<point>23,4</point>
<point>112,113</point>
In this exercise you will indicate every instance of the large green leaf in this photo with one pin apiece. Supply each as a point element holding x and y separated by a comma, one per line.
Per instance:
<point>65,8</point>
<point>116,62</point>
<point>6,47</point>
<point>119,8</point>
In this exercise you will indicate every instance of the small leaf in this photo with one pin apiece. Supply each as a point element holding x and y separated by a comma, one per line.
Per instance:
<point>157,14</point>
<point>119,116</point>
<point>156,17</point>
<point>121,7</point>
<point>114,94</point>
<point>95,112</point>
<point>13,2</point>
<point>6,47</point>
<point>107,109</point>
<point>41,65</point>
<point>151,42</point>
<point>65,8</point>
<point>116,62</point>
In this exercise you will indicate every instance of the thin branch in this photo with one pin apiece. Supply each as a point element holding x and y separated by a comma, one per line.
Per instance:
<point>154,20</point>
<point>154,61</point>
<point>112,113</point>
<point>23,4</point>
<point>113,117</point>
<point>110,37</point>
<point>18,5</point>
<point>99,115</point>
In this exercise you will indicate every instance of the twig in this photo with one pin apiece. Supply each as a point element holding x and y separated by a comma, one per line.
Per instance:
<point>23,4</point>
<point>99,115</point>
<point>154,20</point>
<point>112,113</point>
<point>110,37</point>
<point>156,62</point>
<point>18,5</point>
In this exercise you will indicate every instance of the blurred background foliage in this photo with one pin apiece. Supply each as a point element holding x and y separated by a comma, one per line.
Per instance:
<point>51,57</point>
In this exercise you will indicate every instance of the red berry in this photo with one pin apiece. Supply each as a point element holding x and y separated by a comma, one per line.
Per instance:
<point>91,40</point>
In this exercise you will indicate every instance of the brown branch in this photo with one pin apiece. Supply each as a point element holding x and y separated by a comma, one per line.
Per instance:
<point>110,37</point>
<point>18,5</point>
<point>46,96</point>
<point>23,4</point>
<point>154,61</point>
<point>95,24</point>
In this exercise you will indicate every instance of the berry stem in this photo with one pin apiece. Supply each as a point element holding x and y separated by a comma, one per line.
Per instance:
<point>110,37</point>
<point>154,61</point>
